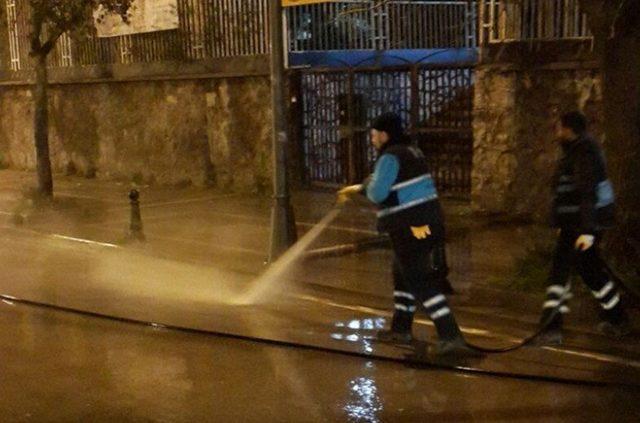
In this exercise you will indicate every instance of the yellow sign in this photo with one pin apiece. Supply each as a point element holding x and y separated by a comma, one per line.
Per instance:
<point>289,3</point>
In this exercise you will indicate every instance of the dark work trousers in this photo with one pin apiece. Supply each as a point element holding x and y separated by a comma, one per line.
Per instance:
<point>593,271</point>
<point>415,286</point>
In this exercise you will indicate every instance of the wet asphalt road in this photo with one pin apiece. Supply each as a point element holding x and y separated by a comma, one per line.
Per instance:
<point>58,367</point>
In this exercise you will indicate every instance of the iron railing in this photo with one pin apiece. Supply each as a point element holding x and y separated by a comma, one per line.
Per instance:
<point>532,20</point>
<point>207,29</point>
<point>232,28</point>
<point>210,29</point>
<point>382,25</point>
<point>435,102</point>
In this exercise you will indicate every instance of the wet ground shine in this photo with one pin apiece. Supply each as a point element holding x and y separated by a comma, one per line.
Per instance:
<point>58,367</point>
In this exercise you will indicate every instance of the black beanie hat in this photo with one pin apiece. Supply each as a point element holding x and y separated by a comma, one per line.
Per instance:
<point>390,123</point>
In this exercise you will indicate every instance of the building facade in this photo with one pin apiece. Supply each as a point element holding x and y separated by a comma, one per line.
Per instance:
<point>185,99</point>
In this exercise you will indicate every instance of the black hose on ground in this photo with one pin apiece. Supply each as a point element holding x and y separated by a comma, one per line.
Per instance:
<point>525,342</point>
<point>555,312</point>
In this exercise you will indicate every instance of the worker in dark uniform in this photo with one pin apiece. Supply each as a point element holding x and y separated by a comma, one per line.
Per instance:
<point>583,208</point>
<point>410,212</point>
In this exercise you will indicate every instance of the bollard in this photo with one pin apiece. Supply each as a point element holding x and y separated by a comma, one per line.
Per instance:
<point>135,226</point>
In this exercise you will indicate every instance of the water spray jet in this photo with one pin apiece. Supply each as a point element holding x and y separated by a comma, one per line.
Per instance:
<point>265,287</point>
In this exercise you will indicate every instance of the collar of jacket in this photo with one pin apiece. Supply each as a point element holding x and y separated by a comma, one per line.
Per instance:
<point>569,146</point>
<point>401,140</point>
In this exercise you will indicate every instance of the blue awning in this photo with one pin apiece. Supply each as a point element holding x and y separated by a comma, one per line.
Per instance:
<point>386,58</point>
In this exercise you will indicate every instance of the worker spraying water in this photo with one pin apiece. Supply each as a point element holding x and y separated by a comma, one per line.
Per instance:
<point>267,286</point>
<point>410,212</point>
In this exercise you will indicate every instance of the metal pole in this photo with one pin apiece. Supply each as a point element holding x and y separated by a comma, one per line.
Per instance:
<point>283,226</point>
<point>135,225</point>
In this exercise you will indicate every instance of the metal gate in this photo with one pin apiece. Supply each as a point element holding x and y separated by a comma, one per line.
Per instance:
<point>435,103</point>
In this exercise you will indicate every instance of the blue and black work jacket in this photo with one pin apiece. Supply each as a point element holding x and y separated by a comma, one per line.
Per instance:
<point>404,190</point>
<point>584,200</point>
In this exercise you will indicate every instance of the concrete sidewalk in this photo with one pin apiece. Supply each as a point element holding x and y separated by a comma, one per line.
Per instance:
<point>125,284</point>
<point>230,233</point>
<point>232,230</point>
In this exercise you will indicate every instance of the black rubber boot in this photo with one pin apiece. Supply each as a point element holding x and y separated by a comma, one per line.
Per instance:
<point>445,287</point>
<point>456,347</point>
<point>614,330</point>
<point>402,321</point>
<point>452,342</point>
<point>552,330</point>
<point>450,346</point>
<point>615,325</point>
<point>394,337</point>
<point>548,338</point>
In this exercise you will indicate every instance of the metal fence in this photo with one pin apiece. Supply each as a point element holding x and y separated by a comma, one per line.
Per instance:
<point>207,29</point>
<point>231,28</point>
<point>382,25</point>
<point>434,102</point>
<point>531,20</point>
<point>17,24</point>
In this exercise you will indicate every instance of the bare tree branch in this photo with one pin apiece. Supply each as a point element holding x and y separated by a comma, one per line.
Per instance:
<point>51,42</point>
<point>55,17</point>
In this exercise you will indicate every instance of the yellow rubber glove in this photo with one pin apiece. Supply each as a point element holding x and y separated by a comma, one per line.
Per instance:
<point>421,232</point>
<point>345,193</point>
<point>584,242</point>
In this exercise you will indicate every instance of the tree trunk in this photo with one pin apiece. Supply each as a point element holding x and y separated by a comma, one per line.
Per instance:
<point>41,125</point>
